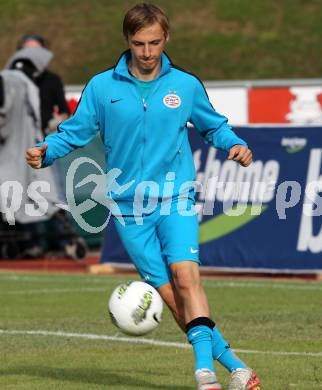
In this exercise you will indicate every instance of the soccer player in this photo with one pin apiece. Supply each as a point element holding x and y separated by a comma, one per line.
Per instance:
<point>141,108</point>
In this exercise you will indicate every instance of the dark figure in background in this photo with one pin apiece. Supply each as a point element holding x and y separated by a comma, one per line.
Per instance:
<point>20,124</point>
<point>60,234</point>
<point>53,106</point>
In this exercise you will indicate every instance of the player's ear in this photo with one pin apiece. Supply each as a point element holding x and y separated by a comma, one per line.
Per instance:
<point>167,37</point>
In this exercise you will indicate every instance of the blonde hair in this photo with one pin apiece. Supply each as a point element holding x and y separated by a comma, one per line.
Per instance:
<point>143,15</point>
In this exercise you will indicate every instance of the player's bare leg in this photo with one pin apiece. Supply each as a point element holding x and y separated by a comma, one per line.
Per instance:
<point>186,277</point>
<point>190,303</point>
<point>172,299</point>
<point>186,286</point>
<point>242,377</point>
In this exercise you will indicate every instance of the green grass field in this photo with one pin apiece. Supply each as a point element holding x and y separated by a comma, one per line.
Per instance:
<point>276,326</point>
<point>218,40</point>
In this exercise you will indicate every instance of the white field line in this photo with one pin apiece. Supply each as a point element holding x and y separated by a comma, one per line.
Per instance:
<point>133,340</point>
<point>55,278</point>
<point>274,285</point>
<point>54,291</point>
<point>208,284</point>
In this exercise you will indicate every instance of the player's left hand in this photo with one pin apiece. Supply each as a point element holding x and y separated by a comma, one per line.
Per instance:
<point>241,154</point>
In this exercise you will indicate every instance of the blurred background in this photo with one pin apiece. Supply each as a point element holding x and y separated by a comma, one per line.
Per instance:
<point>261,255</point>
<point>261,64</point>
<point>218,40</point>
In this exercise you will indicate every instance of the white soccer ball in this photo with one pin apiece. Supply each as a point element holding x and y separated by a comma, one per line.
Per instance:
<point>135,308</point>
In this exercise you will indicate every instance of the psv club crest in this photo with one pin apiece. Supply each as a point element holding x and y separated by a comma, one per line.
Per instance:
<point>172,100</point>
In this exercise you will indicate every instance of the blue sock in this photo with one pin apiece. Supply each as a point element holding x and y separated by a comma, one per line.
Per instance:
<point>221,351</point>
<point>200,337</point>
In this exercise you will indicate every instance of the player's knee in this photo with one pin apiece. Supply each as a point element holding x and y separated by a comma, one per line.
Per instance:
<point>185,279</point>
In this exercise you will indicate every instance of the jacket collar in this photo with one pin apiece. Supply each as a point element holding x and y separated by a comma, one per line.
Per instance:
<point>121,68</point>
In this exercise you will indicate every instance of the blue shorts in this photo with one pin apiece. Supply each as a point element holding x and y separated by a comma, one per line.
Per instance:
<point>160,241</point>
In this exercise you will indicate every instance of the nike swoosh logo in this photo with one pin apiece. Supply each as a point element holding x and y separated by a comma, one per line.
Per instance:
<point>115,100</point>
<point>194,250</point>
<point>196,333</point>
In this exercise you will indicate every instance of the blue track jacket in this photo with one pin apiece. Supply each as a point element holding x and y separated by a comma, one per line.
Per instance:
<point>145,140</point>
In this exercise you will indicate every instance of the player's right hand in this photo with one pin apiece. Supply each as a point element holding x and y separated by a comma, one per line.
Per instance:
<point>34,156</point>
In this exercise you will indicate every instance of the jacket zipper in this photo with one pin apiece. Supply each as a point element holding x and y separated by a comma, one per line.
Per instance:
<point>145,108</point>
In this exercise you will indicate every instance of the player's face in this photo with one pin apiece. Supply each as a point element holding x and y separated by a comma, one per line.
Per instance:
<point>146,47</point>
